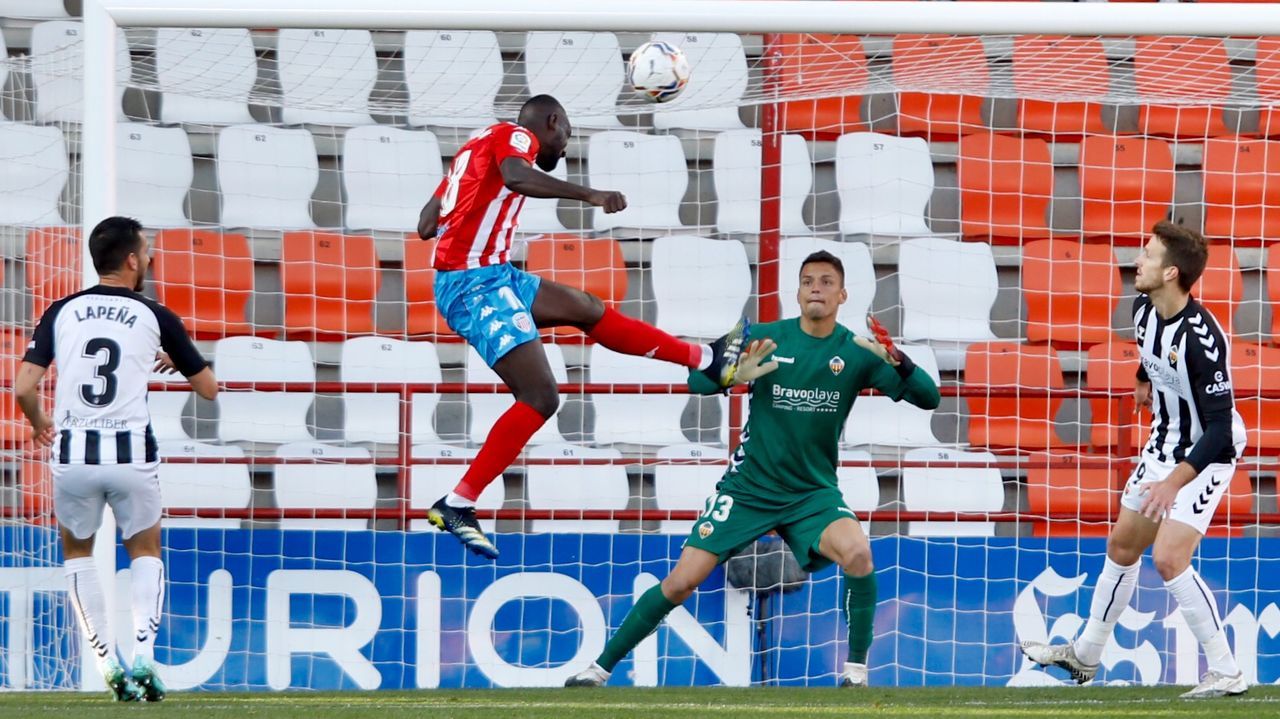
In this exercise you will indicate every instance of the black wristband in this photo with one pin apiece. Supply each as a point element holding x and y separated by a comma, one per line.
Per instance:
<point>905,365</point>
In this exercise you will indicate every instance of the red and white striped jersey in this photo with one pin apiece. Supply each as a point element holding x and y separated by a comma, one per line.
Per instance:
<point>478,214</point>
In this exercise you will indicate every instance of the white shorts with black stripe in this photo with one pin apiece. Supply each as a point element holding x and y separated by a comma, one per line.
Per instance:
<point>81,490</point>
<point>1196,502</point>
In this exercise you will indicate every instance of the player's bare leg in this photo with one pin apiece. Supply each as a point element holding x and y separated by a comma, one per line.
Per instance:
<point>844,543</point>
<point>90,606</point>
<point>147,579</point>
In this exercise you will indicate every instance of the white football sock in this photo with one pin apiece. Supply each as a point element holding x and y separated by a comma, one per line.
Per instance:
<point>453,499</point>
<point>707,356</point>
<point>148,601</point>
<point>1111,594</point>
<point>90,605</point>
<point>1201,613</point>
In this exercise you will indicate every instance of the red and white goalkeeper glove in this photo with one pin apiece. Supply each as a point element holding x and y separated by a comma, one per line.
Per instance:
<point>884,348</point>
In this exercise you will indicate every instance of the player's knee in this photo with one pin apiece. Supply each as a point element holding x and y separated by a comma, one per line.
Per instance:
<point>1169,564</point>
<point>1120,552</point>
<point>544,400</point>
<point>856,561</point>
<point>677,589</point>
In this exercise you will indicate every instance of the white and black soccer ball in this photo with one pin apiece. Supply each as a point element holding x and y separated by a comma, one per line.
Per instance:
<point>658,71</point>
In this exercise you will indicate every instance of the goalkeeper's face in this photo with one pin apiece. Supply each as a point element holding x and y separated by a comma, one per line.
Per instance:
<point>821,291</point>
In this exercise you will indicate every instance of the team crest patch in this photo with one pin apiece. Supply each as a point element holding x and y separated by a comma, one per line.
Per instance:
<point>1173,358</point>
<point>522,322</point>
<point>705,529</point>
<point>836,364</point>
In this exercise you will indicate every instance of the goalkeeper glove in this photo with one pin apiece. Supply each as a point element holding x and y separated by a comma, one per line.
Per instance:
<point>750,368</point>
<point>884,348</point>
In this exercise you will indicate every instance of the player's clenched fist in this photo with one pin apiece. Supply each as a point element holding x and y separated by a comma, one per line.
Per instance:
<point>750,367</point>
<point>610,201</point>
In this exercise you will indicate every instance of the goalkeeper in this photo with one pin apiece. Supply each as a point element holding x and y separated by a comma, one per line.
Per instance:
<point>783,475</point>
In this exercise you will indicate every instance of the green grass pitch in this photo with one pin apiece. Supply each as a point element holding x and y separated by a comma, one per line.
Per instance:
<point>686,703</point>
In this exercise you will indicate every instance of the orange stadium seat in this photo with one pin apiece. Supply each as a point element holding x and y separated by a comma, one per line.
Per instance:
<point>14,430</point>
<point>940,115</point>
<point>206,277</point>
<point>1241,189</point>
<point>1071,291</point>
<point>594,265</point>
<point>1037,71</point>
<point>1073,491</point>
<point>1005,186</point>
<point>1266,78</point>
<point>52,265</point>
<point>330,283</point>
<point>822,64</point>
<point>1273,293</point>
<point>37,491</point>
<point>1236,507</point>
<point>1126,184</point>
<point>1114,366</point>
<point>1253,368</point>
<point>1168,67</point>
<point>1221,287</point>
<point>421,315</point>
<point>1013,422</point>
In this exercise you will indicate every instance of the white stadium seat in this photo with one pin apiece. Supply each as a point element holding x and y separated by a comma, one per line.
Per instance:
<point>859,278</point>
<point>57,71</point>
<point>687,486</point>
<point>35,172</point>
<point>576,487</point>
<point>429,482</point>
<point>878,420</point>
<point>267,176</point>
<point>263,416</point>
<point>947,288</point>
<point>631,418</point>
<point>858,485</point>
<point>376,417</point>
<point>718,72</point>
<point>331,484</point>
<point>583,70</point>
<point>166,409</point>
<point>950,489</point>
<point>386,172</point>
<point>539,214</point>
<point>736,169</point>
<point>885,183</point>
<point>485,409</point>
<point>32,9</point>
<point>700,285</point>
<point>649,169</point>
<point>154,172</point>
<point>206,485</point>
<point>453,77</point>
<point>322,70</point>
<point>191,92</point>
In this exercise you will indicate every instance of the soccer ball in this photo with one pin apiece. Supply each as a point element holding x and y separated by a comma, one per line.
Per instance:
<point>658,71</point>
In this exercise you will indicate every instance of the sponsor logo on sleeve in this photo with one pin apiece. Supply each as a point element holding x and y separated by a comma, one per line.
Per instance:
<point>521,140</point>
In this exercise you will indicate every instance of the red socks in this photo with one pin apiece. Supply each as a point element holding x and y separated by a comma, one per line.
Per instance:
<point>509,435</point>
<point>628,336</point>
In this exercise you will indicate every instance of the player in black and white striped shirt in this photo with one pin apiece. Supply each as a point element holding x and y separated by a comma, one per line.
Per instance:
<point>1182,473</point>
<point>106,340</point>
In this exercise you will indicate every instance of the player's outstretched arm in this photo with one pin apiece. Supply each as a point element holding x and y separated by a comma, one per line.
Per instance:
<point>26,390</point>
<point>519,176</point>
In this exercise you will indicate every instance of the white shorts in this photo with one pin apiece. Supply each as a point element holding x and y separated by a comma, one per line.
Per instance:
<point>1196,502</point>
<point>81,490</point>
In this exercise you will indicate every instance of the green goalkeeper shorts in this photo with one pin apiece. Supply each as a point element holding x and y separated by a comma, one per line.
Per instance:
<point>728,526</point>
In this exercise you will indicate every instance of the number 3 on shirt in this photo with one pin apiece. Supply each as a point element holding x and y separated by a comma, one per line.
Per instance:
<point>456,171</point>
<point>718,507</point>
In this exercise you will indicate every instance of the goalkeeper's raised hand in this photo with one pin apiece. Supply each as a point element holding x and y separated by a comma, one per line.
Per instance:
<point>882,346</point>
<point>750,368</point>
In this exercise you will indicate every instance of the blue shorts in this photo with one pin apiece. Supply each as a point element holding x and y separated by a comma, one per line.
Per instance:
<point>489,307</point>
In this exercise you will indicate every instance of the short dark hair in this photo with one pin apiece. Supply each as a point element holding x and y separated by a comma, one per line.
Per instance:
<point>112,241</point>
<point>1185,249</point>
<point>827,257</point>
<point>538,107</point>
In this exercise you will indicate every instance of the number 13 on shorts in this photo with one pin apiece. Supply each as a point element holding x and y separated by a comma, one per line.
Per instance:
<point>718,507</point>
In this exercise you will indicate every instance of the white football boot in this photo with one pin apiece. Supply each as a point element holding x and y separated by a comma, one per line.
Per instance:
<point>592,676</point>
<point>1216,684</point>
<point>1060,655</point>
<point>854,675</point>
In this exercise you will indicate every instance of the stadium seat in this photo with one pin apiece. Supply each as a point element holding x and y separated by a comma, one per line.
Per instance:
<point>878,420</point>
<point>885,184</point>
<point>940,116</point>
<point>166,409</point>
<point>153,174</point>
<point>1255,368</point>
<point>373,417</point>
<point>57,73</point>
<point>1019,422</point>
<point>422,318</point>
<point>541,214</point>
<point>859,278</point>
<point>1071,290</point>
<point>1005,186</point>
<point>592,264</point>
<point>685,486</point>
<point>720,64</point>
<point>33,9</point>
<point>325,69</point>
<point>1266,77</point>
<point>329,484</point>
<point>203,485</point>
<point>1190,67</point>
<point>947,289</point>
<point>37,491</point>
<point>14,428</point>
<point>823,66</point>
<point>1073,491</point>
<point>1126,185</point>
<point>1241,189</point>
<point>637,419</point>
<point>206,277</point>
<point>452,76</point>
<point>190,92</point>
<point>858,485</point>
<point>36,169</point>
<point>951,489</point>
<point>1114,366</point>
<point>53,260</point>
<point>736,172</point>
<point>649,169</point>
<point>259,416</point>
<point>386,173</point>
<point>700,285</point>
<point>1221,287</point>
<point>584,70</point>
<point>486,408</point>
<point>1236,507</point>
<point>267,176</point>
<point>1037,72</point>
<point>330,283</point>
<point>1273,293</point>
<point>576,487</point>
<point>430,482</point>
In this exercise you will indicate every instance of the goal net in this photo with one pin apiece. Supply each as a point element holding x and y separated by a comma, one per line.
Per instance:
<point>987,196</point>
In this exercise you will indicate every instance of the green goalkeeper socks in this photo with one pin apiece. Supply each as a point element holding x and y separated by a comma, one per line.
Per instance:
<point>860,613</point>
<point>643,618</point>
